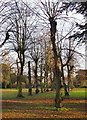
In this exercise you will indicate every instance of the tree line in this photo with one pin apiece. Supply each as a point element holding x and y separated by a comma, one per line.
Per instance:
<point>44,38</point>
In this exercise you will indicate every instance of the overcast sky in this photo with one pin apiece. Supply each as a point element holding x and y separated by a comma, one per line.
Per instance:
<point>79,19</point>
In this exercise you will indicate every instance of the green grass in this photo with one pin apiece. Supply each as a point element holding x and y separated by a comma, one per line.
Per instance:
<point>12,93</point>
<point>40,104</point>
<point>78,93</point>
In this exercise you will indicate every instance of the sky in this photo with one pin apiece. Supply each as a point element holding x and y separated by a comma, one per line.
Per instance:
<point>82,50</point>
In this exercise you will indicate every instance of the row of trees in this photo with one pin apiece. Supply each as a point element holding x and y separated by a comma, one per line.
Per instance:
<point>46,36</point>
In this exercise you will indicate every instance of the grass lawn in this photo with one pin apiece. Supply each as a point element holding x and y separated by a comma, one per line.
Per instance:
<point>12,93</point>
<point>42,105</point>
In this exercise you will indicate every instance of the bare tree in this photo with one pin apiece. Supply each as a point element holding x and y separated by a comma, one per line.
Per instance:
<point>21,24</point>
<point>4,29</point>
<point>6,38</point>
<point>29,78</point>
<point>35,57</point>
<point>51,10</point>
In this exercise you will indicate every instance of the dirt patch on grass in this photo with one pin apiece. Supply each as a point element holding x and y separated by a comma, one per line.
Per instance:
<point>43,108</point>
<point>43,114</point>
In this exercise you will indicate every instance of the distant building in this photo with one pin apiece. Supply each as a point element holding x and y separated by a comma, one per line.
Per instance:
<point>82,75</point>
<point>81,78</point>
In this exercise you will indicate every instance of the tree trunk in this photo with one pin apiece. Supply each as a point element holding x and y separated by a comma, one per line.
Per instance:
<point>68,86</point>
<point>46,77</point>
<point>36,79</point>
<point>41,85</point>
<point>29,78</point>
<point>19,88</point>
<point>20,83</point>
<point>58,86</point>
<point>57,71</point>
<point>63,78</point>
<point>18,72</point>
<point>51,79</point>
<point>65,86</point>
<point>44,83</point>
<point>41,71</point>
